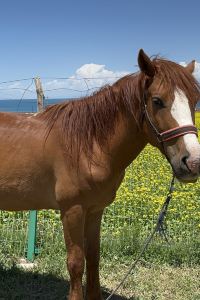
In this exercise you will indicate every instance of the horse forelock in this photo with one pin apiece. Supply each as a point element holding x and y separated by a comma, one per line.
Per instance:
<point>176,77</point>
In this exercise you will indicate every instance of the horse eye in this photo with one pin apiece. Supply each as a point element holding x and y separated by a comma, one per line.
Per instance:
<point>158,102</point>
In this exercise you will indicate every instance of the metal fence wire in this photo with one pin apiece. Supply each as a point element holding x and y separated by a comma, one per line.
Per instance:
<point>131,216</point>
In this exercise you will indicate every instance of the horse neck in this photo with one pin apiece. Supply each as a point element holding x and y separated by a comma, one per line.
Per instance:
<point>128,138</point>
<point>126,143</point>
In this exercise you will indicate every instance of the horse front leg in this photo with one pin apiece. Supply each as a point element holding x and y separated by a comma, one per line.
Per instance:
<point>73,220</point>
<point>92,254</point>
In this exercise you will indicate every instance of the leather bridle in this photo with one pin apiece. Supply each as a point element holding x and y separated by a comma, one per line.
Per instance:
<point>170,134</point>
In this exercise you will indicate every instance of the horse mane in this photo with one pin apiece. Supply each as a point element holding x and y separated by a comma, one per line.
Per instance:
<point>94,117</point>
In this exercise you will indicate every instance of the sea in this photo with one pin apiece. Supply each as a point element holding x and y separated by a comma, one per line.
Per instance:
<point>25,105</point>
<point>30,105</point>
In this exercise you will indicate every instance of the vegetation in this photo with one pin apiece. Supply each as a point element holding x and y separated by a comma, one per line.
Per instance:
<point>47,280</point>
<point>167,271</point>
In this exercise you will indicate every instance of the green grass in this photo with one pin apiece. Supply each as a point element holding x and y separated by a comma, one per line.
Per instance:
<point>49,280</point>
<point>165,272</point>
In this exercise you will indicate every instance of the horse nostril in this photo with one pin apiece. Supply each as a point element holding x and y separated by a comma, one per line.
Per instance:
<point>184,162</point>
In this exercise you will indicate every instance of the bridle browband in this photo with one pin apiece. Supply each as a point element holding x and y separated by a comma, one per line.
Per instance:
<point>172,133</point>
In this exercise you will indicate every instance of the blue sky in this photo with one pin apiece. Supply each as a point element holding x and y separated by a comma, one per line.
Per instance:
<point>57,38</point>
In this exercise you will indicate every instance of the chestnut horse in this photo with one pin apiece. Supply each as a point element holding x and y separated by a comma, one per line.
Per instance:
<point>73,156</point>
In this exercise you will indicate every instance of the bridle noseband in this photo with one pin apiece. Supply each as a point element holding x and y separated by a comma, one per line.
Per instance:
<point>170,134</point>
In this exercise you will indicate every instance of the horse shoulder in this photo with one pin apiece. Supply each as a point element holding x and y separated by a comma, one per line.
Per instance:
<point>90,186</point>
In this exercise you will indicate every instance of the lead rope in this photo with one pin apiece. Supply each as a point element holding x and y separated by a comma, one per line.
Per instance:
<point>158,228</point>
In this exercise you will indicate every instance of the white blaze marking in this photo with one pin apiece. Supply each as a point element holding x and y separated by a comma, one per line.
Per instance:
<point>180,111</point>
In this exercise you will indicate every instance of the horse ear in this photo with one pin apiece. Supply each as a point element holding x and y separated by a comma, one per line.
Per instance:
<point>145,64</point>
<point>190,67</point>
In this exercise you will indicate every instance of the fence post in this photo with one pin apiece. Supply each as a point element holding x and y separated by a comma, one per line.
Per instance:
<point>40,94</point>
<point>32,226</point>
<point>32,223</point>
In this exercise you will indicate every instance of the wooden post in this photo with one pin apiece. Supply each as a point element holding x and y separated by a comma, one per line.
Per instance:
<point>40,94</point>
<point>32,224</point>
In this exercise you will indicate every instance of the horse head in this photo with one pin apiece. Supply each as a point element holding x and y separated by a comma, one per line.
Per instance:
<point>169,100</point>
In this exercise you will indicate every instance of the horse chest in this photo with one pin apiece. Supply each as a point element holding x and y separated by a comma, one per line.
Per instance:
<point>91,192</point>
<point>107,191</point>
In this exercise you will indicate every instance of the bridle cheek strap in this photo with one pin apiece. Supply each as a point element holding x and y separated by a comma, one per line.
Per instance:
<point>170,134</point>
<point>176,132</point>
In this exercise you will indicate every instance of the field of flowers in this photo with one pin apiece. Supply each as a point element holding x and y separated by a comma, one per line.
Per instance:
<point>130,218</point>
<point>144,190</point>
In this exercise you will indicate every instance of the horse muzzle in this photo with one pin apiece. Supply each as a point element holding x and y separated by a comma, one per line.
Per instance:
<point>186,168</point>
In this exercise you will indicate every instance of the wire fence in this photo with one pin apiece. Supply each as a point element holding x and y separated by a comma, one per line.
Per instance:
<point>53,87</point>
<point>131,217</point>
<point>138,200</point>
